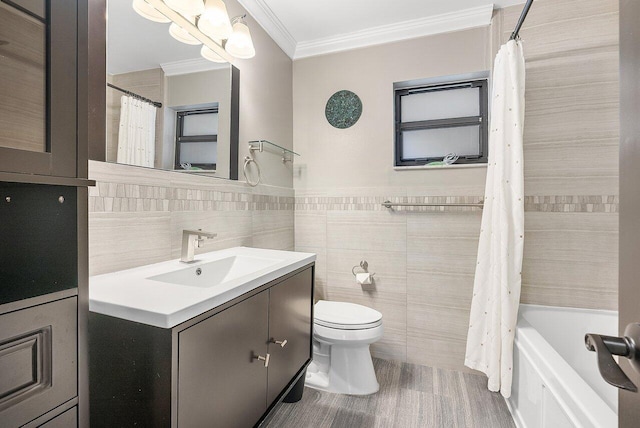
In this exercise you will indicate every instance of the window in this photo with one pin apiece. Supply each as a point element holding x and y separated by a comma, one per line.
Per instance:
<point>197,139</point>
<point>440,116</point>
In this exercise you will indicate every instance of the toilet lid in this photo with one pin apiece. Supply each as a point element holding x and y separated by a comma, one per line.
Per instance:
<point>346,316</point>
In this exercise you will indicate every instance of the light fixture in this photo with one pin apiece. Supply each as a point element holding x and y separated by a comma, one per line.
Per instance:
<point>145,10</point>
<point>239,43</point>
<point>182,35</point>
<point>208,53</point>
<point>189,8</point>
<point>196,22</point>
<point>214,22</point>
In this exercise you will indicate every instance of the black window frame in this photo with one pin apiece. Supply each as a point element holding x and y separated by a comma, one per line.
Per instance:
<point>482,120</point>
<point>185,139</point>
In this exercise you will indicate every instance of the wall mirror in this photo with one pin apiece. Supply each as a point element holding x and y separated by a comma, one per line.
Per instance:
<point>167,107</point>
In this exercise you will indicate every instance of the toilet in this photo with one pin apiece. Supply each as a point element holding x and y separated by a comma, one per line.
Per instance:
<point>342,333</point>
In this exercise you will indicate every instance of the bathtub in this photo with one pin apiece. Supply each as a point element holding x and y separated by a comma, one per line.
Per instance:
<point>556,382</point>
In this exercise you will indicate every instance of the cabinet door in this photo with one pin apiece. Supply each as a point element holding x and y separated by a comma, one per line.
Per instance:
<point>38,102</point>
<point>38,360</point>
<point>220,382</point>
<point>290,306</point>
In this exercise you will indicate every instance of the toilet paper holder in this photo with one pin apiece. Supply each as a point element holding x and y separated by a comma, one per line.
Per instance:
<point>364,266</point>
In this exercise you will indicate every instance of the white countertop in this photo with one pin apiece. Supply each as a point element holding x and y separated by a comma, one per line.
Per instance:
<point>131,295</point>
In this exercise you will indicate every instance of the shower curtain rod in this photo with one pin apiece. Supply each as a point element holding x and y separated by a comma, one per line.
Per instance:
<point>133,94</point>
<point>523,15</point>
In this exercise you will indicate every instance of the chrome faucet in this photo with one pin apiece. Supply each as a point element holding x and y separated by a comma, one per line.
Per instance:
<point>192,239</point>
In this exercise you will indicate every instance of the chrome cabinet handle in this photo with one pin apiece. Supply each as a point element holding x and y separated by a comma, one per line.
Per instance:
<point>608,346</point>
<point>282,343</point>
<point>261,358</point>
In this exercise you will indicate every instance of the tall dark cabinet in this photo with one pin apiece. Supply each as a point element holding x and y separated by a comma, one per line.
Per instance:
<point>51,69</point>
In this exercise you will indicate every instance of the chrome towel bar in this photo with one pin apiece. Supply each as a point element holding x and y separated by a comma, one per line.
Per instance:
<point>389,204</point>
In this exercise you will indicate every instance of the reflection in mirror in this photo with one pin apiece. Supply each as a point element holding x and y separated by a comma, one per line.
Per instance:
<point>167,107</point>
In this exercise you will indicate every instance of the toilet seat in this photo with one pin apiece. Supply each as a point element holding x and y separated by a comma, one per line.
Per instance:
<point>345,316</point>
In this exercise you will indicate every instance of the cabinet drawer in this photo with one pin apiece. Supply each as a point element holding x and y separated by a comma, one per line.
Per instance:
<point>38,360</point>
<point>67,419</point>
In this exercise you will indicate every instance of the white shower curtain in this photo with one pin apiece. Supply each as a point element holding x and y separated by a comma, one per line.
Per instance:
<point>496,289</point>
<point>137,132</point>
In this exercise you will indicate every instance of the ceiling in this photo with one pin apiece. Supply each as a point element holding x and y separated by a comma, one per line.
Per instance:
<point>301,28</point>
<point>306,28</point>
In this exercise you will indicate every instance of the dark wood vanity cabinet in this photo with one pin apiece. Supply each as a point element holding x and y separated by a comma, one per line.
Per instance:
<point>220,381</point>
<point>222,368</point>
<point>289,320</point>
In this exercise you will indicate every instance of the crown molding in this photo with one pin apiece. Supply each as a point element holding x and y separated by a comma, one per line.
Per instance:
<point>187,66</point>
<point>455,21</point>
<point>444,23</point>
<point>268,20</point>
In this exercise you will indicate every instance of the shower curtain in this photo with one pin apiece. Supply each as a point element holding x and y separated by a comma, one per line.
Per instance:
<point>496,288</point>
<point>137,132</point>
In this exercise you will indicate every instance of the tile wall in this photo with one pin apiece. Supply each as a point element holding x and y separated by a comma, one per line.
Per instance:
<point>571,151</point>
<point>424,260</point>
<point>136,215</point>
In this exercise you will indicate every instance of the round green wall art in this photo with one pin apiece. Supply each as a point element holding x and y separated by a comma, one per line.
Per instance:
<point>343,109</point>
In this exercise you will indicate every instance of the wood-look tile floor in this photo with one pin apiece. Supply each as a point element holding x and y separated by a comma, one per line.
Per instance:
<point>410,396</point>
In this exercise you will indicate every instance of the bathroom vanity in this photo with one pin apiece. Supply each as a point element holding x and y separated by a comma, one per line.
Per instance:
<point>216,343</point>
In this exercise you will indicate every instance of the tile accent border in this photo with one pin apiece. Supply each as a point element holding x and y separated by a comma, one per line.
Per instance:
<point>554,203</point>
<point>119,197</point>
<point>573,204</point>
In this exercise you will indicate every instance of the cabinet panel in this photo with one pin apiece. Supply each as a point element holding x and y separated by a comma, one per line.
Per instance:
<point>38,347</point>
<point>220,383</point>
<point>290,305</point>
<point>39,250</point>
<point>130,373</point>
<point>23,65</point>
<point>38,103</point>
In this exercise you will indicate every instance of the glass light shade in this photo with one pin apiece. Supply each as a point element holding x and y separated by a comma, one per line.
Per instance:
<point>182,35</point>
<point>214,22</point>
<point>209,54</point>
<point>186,7</point>
<point>145,10</point>
<point>240,44</point>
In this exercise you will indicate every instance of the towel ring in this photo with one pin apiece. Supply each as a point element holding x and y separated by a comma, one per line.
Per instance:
<point>247,161</point>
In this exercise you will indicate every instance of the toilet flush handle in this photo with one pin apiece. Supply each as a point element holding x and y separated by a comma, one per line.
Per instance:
<point>282,343</point>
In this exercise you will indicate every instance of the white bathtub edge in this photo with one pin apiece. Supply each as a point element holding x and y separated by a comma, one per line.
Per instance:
<point>528,340</point>
<point>515,414</point>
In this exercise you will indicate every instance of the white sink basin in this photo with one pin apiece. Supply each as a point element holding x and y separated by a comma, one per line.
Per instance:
<point>216,272</point>
<point>168,293</point>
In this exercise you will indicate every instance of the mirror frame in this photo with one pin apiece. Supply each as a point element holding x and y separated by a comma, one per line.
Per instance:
<point>234,134</point>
